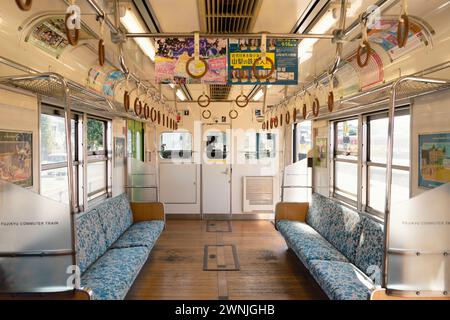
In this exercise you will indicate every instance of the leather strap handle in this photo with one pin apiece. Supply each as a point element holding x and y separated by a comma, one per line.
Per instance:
<point>24,6</point>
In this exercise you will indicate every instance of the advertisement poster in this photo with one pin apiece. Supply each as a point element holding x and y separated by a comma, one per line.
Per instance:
<point>16,158</point>
<point>49,35</point>
<point>242,53</point>
<point>172,55</point>
<point>434,159</point>
<point>385,34</point>
<point>321,152</point>
<point>372,74</point>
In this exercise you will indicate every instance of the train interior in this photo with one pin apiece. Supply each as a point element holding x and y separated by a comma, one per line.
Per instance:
<point>224,149</point>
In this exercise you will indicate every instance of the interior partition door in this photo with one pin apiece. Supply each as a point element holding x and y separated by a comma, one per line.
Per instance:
<point>216,169</point>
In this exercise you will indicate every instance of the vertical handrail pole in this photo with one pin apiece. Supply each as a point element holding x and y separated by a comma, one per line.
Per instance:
<point>389,159</point>
<point>70,176</point>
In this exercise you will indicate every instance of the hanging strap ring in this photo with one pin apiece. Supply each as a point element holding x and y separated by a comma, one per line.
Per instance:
<point>275,122</point>
<point>146,111</point>
<point>316,107</point>
<point>137,107</point>
<point>101,52</point>
<point>206,114</point>
<point>288,117</point>
<point>72,39</point>
<point>126,101</point>
<point>153,114</point>
<point>204,103</point>
<point>330,101</point>
<point>159,117</point>
<point>24,6</point>
<point>403,30</point>
<point>200,75</point>
<point>281,119</point>
<point>364,46</point>
<point>241,101</point>
<point>264,125</point>
<point>255,71</point>
<point>233,114</point>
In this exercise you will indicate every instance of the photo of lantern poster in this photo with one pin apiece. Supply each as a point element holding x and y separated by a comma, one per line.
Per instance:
<point>172,55</point>
<point>242,53</point>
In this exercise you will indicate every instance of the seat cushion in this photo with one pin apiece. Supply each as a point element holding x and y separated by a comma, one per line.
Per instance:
<point>142,234</point>
<point>116,217</point>
<point>307,243</point>
<point>370,251</point>
<point>90,240</point>
<point>341,280</point>
<point>338,224</point>
<point>112,275</point>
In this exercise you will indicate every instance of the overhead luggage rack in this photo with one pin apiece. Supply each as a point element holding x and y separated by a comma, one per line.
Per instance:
<point>406,90</point>
<point>53,87</point>
<point>407,87</point>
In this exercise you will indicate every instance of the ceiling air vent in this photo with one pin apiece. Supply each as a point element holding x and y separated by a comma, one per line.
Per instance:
<point>219,91</point>
<point>228,16</point>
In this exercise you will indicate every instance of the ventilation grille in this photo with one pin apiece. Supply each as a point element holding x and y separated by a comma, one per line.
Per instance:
<point>219,91</point>
<point>228,16</point>
<point>258,193</point>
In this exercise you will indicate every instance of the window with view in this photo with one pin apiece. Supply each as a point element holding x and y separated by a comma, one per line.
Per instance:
<point>345,159</point>
<point>377,127</point>
<point>54,181</point>
<point>97,167</point>
<point>176,145</point>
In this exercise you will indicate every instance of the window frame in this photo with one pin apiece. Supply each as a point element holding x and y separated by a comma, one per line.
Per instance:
<point>340,194</point>
<point>81,157</point>
<point>53,111</point>
<point>96,157</point>
<point>363,161</point>
<point>180,158</point>
<point>368,163</point>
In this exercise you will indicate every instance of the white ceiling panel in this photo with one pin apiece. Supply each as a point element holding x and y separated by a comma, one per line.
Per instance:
<point>279,16</point>
<point>176,15</point>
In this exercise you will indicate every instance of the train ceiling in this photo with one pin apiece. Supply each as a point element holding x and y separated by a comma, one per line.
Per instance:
<point>253,16</point>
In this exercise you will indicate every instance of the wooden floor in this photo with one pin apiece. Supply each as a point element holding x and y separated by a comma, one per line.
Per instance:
<point>268,270</point>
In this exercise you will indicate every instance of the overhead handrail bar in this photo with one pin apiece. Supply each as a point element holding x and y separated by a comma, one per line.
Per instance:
<point>234,35</point>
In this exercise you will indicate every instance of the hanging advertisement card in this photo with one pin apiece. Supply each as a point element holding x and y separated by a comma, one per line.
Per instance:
<point>242,54</point>
<point>172,55</point>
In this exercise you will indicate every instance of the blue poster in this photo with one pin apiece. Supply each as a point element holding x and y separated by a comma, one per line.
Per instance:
<point>280,67</point>
<point>434,159</point>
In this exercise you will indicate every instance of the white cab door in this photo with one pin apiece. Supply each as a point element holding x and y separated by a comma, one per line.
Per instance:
<point>216,169</point>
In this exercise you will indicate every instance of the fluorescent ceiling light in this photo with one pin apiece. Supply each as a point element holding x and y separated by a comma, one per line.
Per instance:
<point>180,95</point>
<point>133,25</point>
<point>325,23</point>
<point>258,95</point>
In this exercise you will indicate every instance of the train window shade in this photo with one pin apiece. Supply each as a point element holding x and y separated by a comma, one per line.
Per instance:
<point>176,145</point>
<point>375,166</point>
<point>345,160</point>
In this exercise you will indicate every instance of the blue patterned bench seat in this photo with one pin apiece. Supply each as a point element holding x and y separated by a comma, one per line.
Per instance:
<point>114,241</point>
<point>342,249</point>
